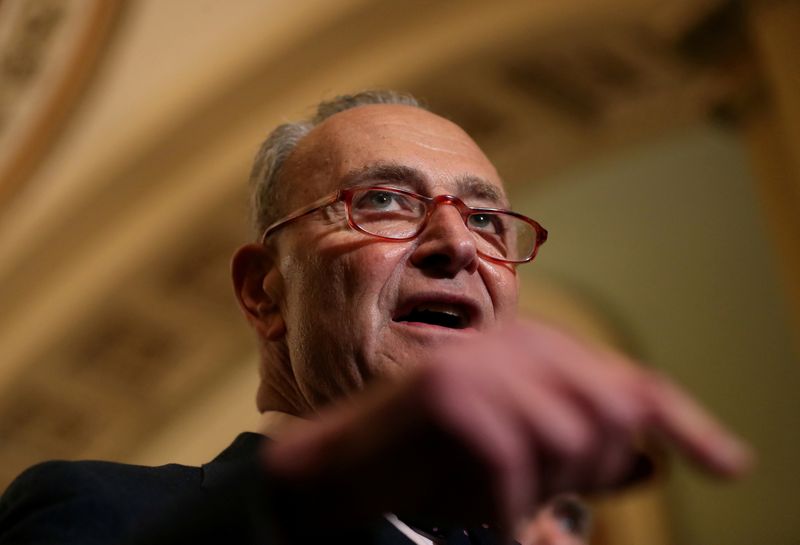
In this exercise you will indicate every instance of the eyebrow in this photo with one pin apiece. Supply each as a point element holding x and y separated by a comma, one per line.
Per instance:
<point>479,188</point>
<point>385,172</point>
<point>467,185</point>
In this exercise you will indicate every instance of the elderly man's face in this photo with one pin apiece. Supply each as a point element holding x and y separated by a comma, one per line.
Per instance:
<point>356,308</point>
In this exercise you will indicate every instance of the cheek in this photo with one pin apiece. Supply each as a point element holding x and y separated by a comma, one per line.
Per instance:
<point>371,274</point>
<point>314,288</point>
<point>502,283</point>
<point>350,276</point>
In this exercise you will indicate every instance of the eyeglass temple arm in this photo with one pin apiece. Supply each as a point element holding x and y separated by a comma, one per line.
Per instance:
<point>541,235</point>
<point>297,214</point>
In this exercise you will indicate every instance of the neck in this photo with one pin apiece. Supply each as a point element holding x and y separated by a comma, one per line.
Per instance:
<point>278,390</point>
<point>271,398</point>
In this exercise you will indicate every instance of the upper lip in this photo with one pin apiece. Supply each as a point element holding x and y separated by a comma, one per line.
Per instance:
<point>468,309</point>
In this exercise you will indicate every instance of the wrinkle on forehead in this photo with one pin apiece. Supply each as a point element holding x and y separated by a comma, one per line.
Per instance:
<point>414,125</point>
<point>352,139</point>
<point>437,148</point>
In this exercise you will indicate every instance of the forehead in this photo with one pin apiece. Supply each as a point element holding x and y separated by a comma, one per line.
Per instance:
<point>367,138</point>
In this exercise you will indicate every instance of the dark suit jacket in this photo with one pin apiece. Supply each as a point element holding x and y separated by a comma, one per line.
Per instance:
<point>230,501</point>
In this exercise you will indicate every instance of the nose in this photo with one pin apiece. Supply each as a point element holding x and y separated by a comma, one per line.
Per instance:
<point>445,246</point>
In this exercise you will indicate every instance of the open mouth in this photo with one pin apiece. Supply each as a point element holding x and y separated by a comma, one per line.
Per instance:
<point>449,315</point>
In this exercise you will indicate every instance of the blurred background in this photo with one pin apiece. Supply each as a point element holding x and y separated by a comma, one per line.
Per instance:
<point>659,142</point>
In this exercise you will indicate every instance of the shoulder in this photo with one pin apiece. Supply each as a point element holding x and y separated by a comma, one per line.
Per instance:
<point>71,500</point>
<point>62,480</point>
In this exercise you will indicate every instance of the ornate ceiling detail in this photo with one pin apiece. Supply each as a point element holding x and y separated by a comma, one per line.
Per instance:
<point>536,103</point>
<point>48,49</point>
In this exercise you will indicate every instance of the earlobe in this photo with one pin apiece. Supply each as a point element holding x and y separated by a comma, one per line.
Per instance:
<point>259,288</point>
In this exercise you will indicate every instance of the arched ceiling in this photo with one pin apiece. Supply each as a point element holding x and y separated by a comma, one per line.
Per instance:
<point>114,255</point>
<point>49,51</point>
<point>115,238</point>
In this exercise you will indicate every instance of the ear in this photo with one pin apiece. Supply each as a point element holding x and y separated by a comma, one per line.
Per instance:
<point>259,289</point>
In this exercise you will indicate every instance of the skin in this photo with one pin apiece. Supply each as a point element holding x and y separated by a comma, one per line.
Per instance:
<point>340,339</point>
<point>501,416</point>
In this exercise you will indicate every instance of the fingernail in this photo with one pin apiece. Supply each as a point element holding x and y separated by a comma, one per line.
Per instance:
<point>737,456</point>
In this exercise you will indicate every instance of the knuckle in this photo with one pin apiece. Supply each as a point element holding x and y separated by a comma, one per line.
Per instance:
<point>652,388</point>
<point>576,439</point>
<point>649,391</point>
<point>627,415</point>
<point>628,409</point>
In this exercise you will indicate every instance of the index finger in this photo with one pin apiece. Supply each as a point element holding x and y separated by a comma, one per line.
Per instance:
<point>695,432</point>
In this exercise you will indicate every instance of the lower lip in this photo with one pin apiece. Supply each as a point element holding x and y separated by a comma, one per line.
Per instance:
<point>422,326</point>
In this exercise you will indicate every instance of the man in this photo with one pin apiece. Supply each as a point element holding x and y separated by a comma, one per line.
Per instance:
<point>383,292</point>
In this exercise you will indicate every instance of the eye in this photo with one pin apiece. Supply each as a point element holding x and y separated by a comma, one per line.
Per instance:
<point>486,222</point>
<point>379,200</point>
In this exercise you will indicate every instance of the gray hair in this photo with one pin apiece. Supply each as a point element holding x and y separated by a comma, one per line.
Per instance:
<point>265,198</point>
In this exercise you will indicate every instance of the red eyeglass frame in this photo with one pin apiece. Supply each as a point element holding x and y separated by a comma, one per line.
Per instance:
<point>346,196</point>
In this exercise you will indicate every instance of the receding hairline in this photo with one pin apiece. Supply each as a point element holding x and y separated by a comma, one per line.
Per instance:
<point>315,141</point>
<point>418,111</point>
<point>391,171</point>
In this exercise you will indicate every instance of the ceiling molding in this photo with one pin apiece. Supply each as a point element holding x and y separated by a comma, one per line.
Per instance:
<point>48,51</point>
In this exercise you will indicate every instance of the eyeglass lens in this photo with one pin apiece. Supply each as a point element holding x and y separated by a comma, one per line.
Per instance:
<point>391,214</point>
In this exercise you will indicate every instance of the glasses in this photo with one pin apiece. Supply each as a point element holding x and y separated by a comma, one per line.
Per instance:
<point>388,213</point>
